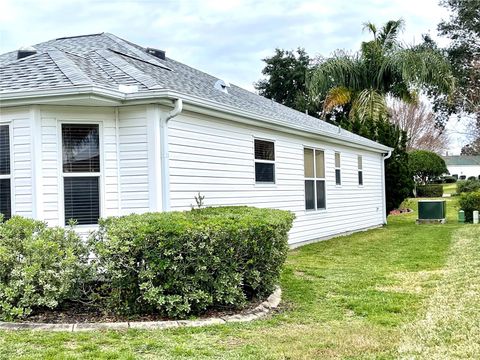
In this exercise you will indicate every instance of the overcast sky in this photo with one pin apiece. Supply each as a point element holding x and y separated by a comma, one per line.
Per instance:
<point>225,38</point>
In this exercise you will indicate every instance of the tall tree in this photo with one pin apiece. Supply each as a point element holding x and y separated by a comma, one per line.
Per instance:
<point>473,148</point>
<point>419,123</point>
<point>399,182</point>
<point>463,30</point>
<point>285,81</point>
<point>358,84</point>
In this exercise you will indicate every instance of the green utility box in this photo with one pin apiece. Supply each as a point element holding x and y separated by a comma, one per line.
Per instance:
<point>432,211</point>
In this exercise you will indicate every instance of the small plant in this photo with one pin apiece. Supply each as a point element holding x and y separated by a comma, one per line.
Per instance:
<point>199,200</point>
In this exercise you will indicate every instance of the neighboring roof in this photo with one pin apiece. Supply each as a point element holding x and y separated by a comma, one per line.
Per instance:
<point>106,61</point>
<point>462,160</point>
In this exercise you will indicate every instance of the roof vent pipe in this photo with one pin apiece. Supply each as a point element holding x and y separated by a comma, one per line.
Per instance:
<point>23,52</point>
<point>156,52</point>
<point>222,86</point>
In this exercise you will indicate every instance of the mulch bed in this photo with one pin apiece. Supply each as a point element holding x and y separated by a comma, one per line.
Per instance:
<point>80,313</point>
<point>400,211</point>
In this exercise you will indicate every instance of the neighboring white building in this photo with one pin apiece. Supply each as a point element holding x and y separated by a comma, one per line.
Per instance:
<point>463,165</point>
<point>94,126</point>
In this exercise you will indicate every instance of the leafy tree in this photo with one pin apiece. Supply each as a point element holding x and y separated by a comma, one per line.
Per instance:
<point>286,73</point>
<point>463,29</point>
<point>398,178</point>
<point>358,84</point>
<point>426,165</point>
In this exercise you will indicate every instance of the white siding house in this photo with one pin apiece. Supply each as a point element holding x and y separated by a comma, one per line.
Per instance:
<point>110,129</point>
<point>463,166</point>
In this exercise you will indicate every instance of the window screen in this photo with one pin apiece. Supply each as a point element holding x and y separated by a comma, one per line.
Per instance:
<point>338,172</point>
<point>5,188</point>
<point>264,161</point>
<point>81,151</point>
<point>4,150</point>
<point>81,200</point>
<point>360,170</point>
<point>5,199</point>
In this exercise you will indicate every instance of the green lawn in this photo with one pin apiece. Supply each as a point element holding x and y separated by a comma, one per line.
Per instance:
<point>385,293</point>
<point>450,188</point>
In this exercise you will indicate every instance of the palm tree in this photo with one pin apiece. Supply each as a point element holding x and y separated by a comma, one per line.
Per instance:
<point>359,84</point>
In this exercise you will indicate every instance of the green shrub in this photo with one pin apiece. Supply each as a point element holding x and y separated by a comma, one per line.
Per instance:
<point>181,263</point>
<point>468,186</point>
<point>39,266</point>
<point>432,190</point>
<point>449,179</point>
<point>469,202</point>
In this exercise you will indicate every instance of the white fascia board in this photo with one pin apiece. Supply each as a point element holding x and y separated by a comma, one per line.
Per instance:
<point>193,103</point>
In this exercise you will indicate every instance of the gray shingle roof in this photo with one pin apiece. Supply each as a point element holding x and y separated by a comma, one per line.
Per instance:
<point>462,160</point>
<point>106,61</point>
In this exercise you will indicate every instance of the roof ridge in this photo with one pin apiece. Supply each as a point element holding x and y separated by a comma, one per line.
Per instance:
<point>68,67</point>
<point>126,44</point>
<point>129,69</point>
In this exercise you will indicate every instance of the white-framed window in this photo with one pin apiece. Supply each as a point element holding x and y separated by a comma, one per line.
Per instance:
<point>5,173</point>
<point>338,170</point>
<point>360,170</point>
<point>81,171</point>
<point>264,161</point>
<point>314,173</point>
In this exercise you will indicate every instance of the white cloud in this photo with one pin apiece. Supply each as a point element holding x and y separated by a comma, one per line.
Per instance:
<point>227,38</point>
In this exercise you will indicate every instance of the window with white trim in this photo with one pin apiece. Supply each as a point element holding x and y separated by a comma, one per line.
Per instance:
<point>338,171</point>
<point>5,184</point>
<point>81,173</point>
<point>264,161</point>
<point>360,170</point>
<point>314,172</point>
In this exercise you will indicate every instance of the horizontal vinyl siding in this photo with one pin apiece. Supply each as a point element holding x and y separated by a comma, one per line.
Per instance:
<point>133,150</point>
<point>216,159</point>
<point>21,163</point>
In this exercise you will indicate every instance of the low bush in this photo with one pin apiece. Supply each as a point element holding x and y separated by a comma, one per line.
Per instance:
<point>39,266</point>
<point>182,263</point>
<point>469,202</point>
<point>472,178</point>
<point>464,186</point>
<point>432,190</point>
<point>449,179</point>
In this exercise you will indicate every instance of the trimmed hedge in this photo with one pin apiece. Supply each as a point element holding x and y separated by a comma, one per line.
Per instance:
<point>465,186</point>
<point>39,266</point>
<point>432,190</point>
<point>182,263</point>
<point>469,202</point>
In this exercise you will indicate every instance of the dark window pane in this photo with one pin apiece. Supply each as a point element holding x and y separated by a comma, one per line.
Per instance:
<point>309,195</point>
<point>82,200</point>
<point>5,199</point>
<point>360,178</point>
<point>264,150</point>
<point>264,172</point>
<point>338,177</point>
<point>80,148</point>
<point>4,150</point>
<point>321,203</point>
